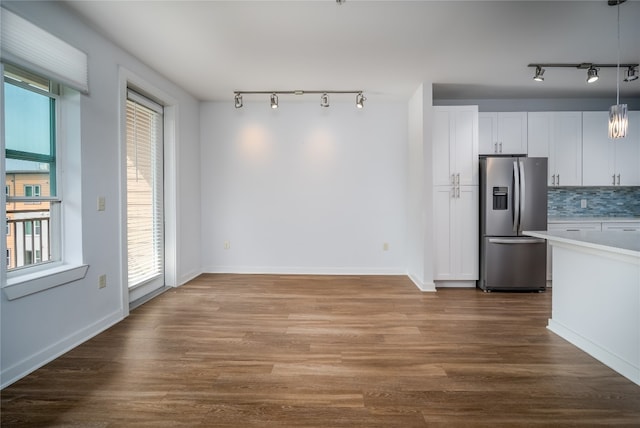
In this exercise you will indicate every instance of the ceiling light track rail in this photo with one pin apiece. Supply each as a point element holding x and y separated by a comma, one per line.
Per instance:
<point>592,70</point>
<point>581,66</point>
<point>324,96</point>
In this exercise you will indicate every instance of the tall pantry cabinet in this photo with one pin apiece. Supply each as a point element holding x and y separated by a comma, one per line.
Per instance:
<point>455,195</point>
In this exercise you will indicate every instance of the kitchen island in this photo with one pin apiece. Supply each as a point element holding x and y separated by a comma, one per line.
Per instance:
<point>596,295</point>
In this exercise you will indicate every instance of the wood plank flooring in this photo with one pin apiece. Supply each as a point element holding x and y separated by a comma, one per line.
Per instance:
<point>325,351</point>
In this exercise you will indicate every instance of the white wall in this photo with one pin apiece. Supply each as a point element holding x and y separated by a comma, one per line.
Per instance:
<point>420,190</point>
<point>304,189</point>
<point>41,326</point>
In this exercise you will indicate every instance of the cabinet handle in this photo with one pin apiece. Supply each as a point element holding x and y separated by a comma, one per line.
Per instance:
<point>618,179</point>
<point>458,179</point>
<point>453,179</point>
<point>500,147</point>
<point>453,193</point>
<point>553,180</point>
<point>558,179</point>
<point>458,192</point>
<point>614,179</point>
<point>495,147</point>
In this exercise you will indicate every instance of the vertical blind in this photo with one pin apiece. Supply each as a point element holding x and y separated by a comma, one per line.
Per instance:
<point>28,46</point>
<point>145,225</point>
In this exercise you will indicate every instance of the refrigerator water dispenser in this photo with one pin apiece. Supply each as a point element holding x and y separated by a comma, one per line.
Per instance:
<point>500,197</point>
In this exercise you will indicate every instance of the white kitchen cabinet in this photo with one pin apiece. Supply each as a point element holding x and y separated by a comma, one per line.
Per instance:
<point>558,137</point>
<point>502,133</point>
<point>608,162</point>
<point>622,226</point>
<point>455,145</point>
<point>456,229</point>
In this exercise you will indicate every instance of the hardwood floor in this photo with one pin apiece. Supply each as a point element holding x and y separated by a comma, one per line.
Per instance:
<point>325,351</point>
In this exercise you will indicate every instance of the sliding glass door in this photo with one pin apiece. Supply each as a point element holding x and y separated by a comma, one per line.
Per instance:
<point>145,206</point>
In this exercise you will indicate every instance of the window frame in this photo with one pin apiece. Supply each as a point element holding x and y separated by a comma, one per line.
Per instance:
<point>23,79</point>
<point>69,265</point>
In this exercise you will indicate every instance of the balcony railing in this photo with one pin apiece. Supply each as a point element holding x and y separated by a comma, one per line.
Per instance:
<point>28,239</point>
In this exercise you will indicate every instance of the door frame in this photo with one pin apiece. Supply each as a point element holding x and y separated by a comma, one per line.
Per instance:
<point>129,79</point>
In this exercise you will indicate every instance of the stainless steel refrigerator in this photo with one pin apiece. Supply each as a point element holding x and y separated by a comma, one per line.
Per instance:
<point>513,198</point>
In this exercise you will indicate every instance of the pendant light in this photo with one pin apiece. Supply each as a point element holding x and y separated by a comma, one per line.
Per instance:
<point>618,118</point>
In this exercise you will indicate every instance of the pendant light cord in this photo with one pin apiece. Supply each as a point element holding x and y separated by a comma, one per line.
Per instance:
<point>618,67</point>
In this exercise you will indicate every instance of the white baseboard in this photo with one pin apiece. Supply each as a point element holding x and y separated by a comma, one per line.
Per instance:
<point>44,356</point>
<point>422,286</point>
<point>630,370</point>
<point>292,270</point>
<point>455,284</point>
<point>188,277</point>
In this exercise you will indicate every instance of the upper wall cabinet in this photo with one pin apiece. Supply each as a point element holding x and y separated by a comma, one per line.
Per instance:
<point>609,162</point>
<point>557,136</point>
<point>455,145</point>
<point>502,133</point>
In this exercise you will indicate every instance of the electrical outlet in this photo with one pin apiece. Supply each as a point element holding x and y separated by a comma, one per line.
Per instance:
<point>227,245</point>
<point>385,246</point>
<point>583,203</point>
<point>102,281</point>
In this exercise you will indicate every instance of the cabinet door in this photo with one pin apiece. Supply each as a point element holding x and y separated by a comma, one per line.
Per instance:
<point>539,136</point>
<point>488,133</point>
<point>627,153</point>
<point>598,153</point>
<point>455,145</point>
<point>443,203</point>
<point>456,228</point>
<point>442,128</point>
<point>466,234</point>
<point>512,133</point>
<point>567,148</point>
<point>465,145</point>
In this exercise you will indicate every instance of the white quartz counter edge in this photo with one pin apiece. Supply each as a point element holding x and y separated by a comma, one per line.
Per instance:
<point>624,243</point>
<point>559,220</point>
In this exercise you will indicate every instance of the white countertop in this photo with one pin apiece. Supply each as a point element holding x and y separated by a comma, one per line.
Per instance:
<point>593,219</point>
<point>619,242</point>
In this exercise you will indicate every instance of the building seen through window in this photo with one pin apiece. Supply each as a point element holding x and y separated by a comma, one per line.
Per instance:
<point>32,207</point>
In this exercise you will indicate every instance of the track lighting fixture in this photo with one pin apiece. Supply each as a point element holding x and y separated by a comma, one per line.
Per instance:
<point>324,96</point>
<point>632,74</point>
<point>592,70</point>
<point>324,100</point>
<point>539,72</point>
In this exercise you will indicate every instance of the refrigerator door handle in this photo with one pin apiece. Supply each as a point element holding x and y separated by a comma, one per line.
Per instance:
<point>523,195</point>
<point>516,196</point>
<point>516,241</point>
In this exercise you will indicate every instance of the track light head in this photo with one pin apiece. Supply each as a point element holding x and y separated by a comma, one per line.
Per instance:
<point>632,74</point>
<point>592,74</point>
<point>360,99</point>
<point>324,100</point>
<point>539,73</point>
<point>238,100</point>
<point>274,100</point>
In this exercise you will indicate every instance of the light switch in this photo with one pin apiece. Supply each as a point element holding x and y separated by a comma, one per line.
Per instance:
<point>101,203</point>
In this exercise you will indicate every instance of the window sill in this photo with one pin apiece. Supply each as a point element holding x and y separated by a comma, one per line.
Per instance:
<point>24,285</point>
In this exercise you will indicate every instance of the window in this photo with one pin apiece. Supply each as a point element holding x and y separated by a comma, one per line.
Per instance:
<point>30,166</point>
<point>42,90</point>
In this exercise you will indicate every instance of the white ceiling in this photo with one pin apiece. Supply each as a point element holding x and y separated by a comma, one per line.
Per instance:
<point>469,49</point>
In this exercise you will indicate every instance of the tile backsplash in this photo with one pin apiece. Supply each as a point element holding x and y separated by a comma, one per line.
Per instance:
<point>601,201</point>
